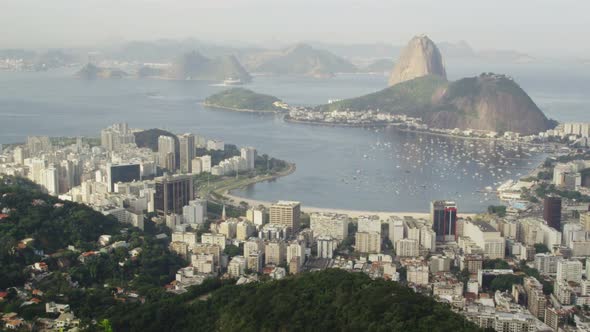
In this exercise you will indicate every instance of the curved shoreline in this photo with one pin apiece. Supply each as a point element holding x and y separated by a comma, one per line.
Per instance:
<point>235,200</point>
<point>226,190</point>
<point>334,124</point>
<point>393,126</point>
<point>351,213</point>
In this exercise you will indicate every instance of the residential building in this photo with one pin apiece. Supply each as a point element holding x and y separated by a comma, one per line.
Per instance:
<point>444,220</point>
<point>407,248</point>
<point>275,253</point>
<point>187,152</point>
<point>329,224</point>
<point>326,246</point>
<point>366,242</point>
<point>173,192</point>
<point>569,270</point>
<point>286,213</point>
<point>167,153</point>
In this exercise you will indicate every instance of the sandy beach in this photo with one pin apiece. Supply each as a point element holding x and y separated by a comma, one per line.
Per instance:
<point>351,213</point>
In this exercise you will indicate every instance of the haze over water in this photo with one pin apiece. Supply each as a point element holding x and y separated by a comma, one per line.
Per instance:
<point>352,168</point>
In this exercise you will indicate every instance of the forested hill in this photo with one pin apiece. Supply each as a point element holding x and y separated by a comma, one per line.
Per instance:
<point>331,300</point>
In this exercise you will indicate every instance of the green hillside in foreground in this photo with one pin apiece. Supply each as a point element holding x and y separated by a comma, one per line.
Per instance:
<point>240,98</point>
<point>331,300</point>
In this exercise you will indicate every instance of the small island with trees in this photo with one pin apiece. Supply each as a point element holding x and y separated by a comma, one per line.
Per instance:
<point>244,100</point>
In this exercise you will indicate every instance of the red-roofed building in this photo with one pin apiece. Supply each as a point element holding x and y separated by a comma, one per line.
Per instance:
<point>3,216</point>
<point>3,296</point>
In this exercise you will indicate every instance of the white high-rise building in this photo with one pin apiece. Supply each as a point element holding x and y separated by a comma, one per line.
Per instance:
<point>329,224</point>
<point>37,166</point>
<point>167,153</point>
<point>50,180</point>
<point>253,245</point>
<point>486,237</point>
<point>244,230</point>
<point>326,247</point>
<point>407,248</point>
<point>249,154</point>
<point>19,155</point>
<point>206,163</point>
<point>257,215</point>
<point>296,249</point>
<point>196,166</point>
<point>369,224</point>
<point>546,263</point>
<point>187,152</point>
<point>428,238</point>
<point>396,230</point>
<point>237,266</point>
<point>569,270</point>
<point>195,213</point>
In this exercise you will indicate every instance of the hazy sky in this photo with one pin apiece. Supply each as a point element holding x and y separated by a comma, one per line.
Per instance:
<point>535,26</point>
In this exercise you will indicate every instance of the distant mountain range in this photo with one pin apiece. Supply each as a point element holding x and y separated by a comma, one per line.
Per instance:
<point>195,66</point>
<point>300,59</point>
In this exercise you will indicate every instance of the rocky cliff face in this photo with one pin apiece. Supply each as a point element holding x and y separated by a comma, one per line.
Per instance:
<point>419,58</point>
<point>487,102</point>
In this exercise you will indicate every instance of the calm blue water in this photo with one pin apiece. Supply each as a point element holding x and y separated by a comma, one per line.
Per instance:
<point>336,167</point>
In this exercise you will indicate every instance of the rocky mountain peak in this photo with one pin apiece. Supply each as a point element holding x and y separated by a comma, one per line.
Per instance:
<point>421,57</point>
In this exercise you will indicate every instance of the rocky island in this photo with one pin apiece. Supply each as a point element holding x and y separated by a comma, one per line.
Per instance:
<point>244,100</point>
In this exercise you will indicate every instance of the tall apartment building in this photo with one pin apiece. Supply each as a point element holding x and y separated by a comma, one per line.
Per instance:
<point>569,270</point>
<point>546,263</point>
<point>326,246</point>
<point>286,213</point>
<point>167,153</point>
<point>50,180</point>
<point>249,154</point>
<point>444,220</point>
<point>195,212</point>
<point>253,245</point>
<point>396,230</point>
<point>369,224</point>
<point>237,266</point>
<point>275,253</point>
<point>296,249</point>
<point>486,237</point>
<point>244,230</point>
<point>257,216</point>
<point>329,224</point>
<point>187,152</point>
<point>536,300</point>
<point>407,248</point>
<point>552,211</point>
<point>173,192</point>
<point>368,243</point>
